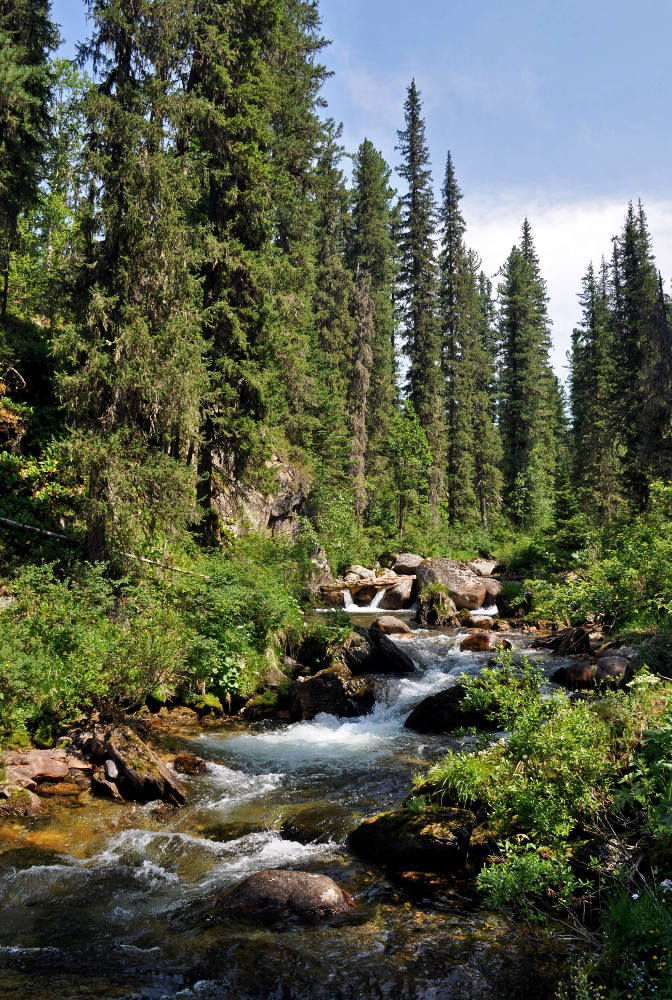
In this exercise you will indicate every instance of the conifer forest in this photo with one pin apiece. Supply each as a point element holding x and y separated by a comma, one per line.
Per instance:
<point>282,462</point>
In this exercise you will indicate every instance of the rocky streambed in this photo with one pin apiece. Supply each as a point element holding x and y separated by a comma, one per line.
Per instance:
<point>113,899</point>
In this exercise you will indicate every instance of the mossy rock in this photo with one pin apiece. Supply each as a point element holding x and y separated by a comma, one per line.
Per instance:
<point>204,704</point>
<point>262,706</point>
<point>434,840</point>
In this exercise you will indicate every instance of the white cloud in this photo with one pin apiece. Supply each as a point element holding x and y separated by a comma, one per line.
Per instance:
<point>568,235</point>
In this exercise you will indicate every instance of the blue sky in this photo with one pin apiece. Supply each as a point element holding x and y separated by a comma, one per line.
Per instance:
<point>555,109</point>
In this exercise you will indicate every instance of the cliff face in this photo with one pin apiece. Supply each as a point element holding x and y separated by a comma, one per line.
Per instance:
<point>242,508</point>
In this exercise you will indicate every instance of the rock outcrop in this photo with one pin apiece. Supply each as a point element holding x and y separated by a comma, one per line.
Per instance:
<point>394,658</point>
<point>140,775</point>
<point>276,895</point>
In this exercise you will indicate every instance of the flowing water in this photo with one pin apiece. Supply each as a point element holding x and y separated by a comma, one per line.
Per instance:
<point>120,901</point>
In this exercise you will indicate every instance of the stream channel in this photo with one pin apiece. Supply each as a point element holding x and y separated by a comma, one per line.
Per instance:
<point>111,901</point>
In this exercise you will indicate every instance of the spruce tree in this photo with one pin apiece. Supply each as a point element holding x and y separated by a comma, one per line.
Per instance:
<point>365,331</point>
<point>132,374</point>
<point>592,372</point>
<point>641,393</point>
<point>27,38</point>
<point>371,252</point>
<point>528,389</point>
<point>418,291</point>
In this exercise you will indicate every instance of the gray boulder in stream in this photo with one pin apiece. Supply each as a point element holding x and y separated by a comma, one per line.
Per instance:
<point>465,588</point>
<point>435,840</point>
<point>274,895</point>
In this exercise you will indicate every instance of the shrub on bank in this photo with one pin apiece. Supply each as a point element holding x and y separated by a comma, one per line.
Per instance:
<point>69,643</point>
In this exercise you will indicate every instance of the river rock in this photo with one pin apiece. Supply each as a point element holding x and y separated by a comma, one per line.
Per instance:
<point>483,622</point>
<point>393,658</point>
<point>434,840</point>
<point>482,641</point>
<point>442,713</point>
<point>611,669</point>
<point>436,609</point>
<point>569,642</point>
<point>493,588</point>
<point>578,676</point>
<point>142,776</point>
<point>399,595</point>
<point>360,655</point>
<point>482,567</point>
<point>59,789</point>
<point>189,763</point>
<point>356,573</point>
<point>406,563</point>
<point>389,625</point>
<point>466,589</point>
<point>274,895</point>
<point>103,787</point>
<point>17,801</point>
<point>333,691</point>
<point>37,765</point>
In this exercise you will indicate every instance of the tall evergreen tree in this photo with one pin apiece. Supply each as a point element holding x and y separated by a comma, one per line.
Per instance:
<point>592,372</point>
<point>27,39</point>
<point>254,85</point>
<point>365,331</point>
<point>371,253</point>
<point>528,389</point>
<point>333,304</point>
<point>418,288</point>
<point>642,352</point>
<point>456,317</point>
<point>133,373</point>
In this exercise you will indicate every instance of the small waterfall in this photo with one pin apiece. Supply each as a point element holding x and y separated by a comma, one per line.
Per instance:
<point>378,599</point>
<point>349,604</point>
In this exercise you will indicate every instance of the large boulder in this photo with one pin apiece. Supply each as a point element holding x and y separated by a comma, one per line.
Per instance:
<point>142,777</point>
<point>359,655</point>
<point>407,563</point>
<point>436,609</point>
<point>493,588</point>
<point>274,895</point>
<point>333,691</point>
<point>443,713</point>
<point>433,841</point>
<point>611,669</point>
<point>399,595</point>
<point>466,589</point>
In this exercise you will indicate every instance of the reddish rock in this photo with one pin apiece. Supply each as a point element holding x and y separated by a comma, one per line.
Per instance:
<point>273,895</point>
<point>389,625</point>
<point>64,789</point>
<point>37,765</point>
<point>476,642</point>
<point>482,622</point>
<point>189,763</point>
<point>575,676</point>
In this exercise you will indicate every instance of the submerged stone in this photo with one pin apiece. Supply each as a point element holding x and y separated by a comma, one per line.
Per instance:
<point>274,895</point>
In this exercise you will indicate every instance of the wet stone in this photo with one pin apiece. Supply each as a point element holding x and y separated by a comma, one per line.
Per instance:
<point>277,895</point>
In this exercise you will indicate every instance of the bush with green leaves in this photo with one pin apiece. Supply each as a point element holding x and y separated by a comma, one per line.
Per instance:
<point>550,780</point>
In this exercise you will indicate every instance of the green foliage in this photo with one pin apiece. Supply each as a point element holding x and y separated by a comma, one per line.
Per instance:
<point>528,878</point>
<point>69,644</point>
<point>558,771</point>
<point>627,581</point>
